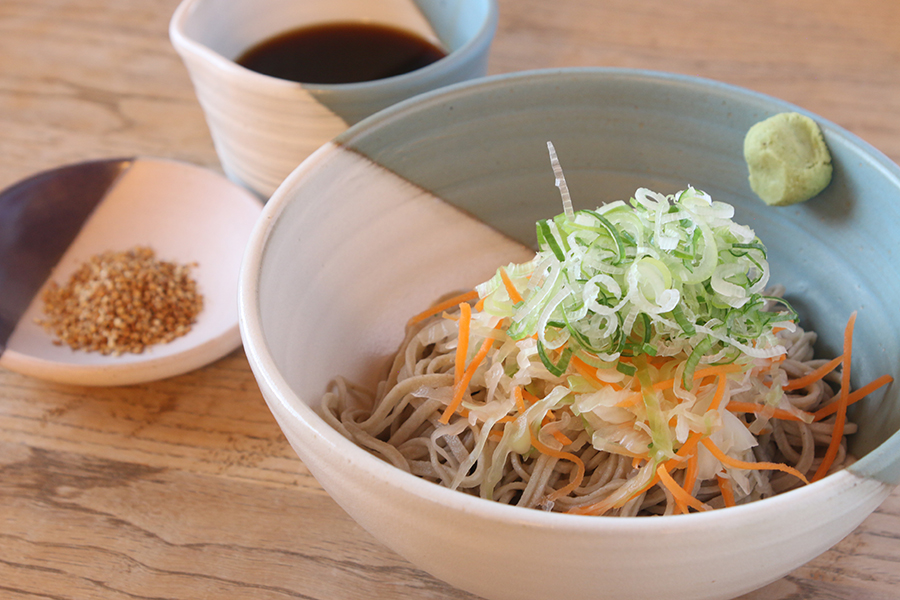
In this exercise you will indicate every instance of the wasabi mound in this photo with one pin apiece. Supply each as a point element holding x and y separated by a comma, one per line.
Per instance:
<point>787,158</point>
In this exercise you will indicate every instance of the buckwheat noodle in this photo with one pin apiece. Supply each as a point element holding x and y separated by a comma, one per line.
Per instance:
<point>400,422</point>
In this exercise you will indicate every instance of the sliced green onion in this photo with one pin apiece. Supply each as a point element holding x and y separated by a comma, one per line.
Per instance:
<point>690,365</point>
<point>625,368</point>
<point>559,368</point>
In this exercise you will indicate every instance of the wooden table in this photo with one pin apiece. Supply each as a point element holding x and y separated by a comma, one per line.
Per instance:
<point>186,488</point>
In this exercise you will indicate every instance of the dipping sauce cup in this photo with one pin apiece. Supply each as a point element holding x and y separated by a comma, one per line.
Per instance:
<point>263,127</point>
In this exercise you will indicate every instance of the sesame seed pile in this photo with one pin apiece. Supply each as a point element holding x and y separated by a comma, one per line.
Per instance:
<point>120,302</point>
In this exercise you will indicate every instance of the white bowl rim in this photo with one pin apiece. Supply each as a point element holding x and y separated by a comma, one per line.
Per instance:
<point>266,369</point>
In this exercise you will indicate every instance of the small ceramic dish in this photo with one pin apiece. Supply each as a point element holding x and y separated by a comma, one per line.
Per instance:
<point>431,196</point>
<point>56,220</point>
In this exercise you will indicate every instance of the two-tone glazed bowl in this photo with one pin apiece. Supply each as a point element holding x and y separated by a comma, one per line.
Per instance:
<point>431,195</point>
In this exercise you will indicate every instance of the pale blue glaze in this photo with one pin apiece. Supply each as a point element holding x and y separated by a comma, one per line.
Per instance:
<point>482,147</point>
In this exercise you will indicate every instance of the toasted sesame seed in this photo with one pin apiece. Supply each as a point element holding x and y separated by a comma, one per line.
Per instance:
<point>119,302</point>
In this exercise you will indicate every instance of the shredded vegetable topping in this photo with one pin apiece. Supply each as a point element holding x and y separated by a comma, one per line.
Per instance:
<point>661,276</point>
<point>637,365</point>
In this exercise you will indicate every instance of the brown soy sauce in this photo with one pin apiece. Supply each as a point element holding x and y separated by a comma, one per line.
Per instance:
<point>340,53</point>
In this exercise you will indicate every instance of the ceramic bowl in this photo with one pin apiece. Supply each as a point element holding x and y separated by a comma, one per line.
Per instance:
<point>431,195</point>
<point>263,127</point>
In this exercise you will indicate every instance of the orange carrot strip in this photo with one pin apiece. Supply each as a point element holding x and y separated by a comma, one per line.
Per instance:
<point>531,398</point>
<point>549,417</point>
<point>630,400</point>
<point>690,474</point>
<point>462,345</point>
<point>676,490</point>
<point>459,389</point>
<point>590,373</point>
<point>837,434</point>
<point>814,376</point>
<point>561,437</point>
<point>720,393</point>
<point>511,290</point>
<point>713,371</point>
<point>685,451</point>
<point>599,508</point>
<point>856,396</point>
<point>690,477</point>
<point>751,407</point>
<point>659,386</point>
<point>449,303</point>
<point>758,466</point>
<point>726,489</point>
<point>520,403</point>
<point>579,466</point>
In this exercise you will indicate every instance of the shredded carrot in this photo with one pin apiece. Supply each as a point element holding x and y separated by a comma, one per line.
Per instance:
<point>719,370</point>
<point>590,373</point>
<point>660,361</point>
<point>548,417</point>
<point>576,479</point>
<point>561,437</point>
<point>459,390</point>
<point>449,303</point>
<point>690,477</point>
<point>511,290</point>
<point>777,359</point>
<point>751,407</point>
<point>758,466</point>
<point>677,491</point>
<point>726,489</point>
<point>690,474</point>
<point>520,403</point>
<point>688,446</point>
<point>837,434</point>
<point>693,439</point>
<point>462,345</point>
<point>479,306</point>
<point>814,376</point>
<point>856,396</point>
<point>529,397</point>
<point>720,393</point>
<point>630,400</point>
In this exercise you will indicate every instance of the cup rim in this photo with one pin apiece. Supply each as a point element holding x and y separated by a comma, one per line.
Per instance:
<point>186,45</point>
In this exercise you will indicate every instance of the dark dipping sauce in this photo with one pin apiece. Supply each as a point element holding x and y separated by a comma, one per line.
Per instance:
<point>340,53</point>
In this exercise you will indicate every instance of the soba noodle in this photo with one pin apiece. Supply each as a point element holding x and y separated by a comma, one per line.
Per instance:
<point>401,424</point>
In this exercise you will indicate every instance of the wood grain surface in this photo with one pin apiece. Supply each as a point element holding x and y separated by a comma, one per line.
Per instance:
<point>185,488</point>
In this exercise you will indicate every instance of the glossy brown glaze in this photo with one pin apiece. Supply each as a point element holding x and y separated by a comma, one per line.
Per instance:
<point>40,217</point>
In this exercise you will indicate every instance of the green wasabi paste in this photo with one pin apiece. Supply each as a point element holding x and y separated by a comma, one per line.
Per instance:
<point>787,159</point>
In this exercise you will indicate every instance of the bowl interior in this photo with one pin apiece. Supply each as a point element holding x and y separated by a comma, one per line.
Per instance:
<point>430,196</point>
